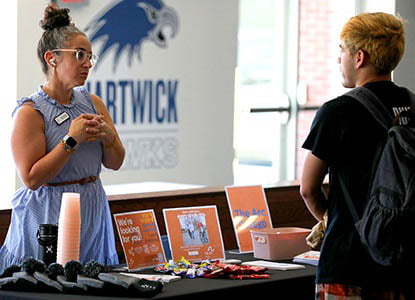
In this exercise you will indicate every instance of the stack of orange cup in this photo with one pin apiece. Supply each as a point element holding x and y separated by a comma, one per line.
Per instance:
<point>69,230</point>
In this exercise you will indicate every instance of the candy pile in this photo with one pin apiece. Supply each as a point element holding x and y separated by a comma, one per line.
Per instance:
<point>208,269</point>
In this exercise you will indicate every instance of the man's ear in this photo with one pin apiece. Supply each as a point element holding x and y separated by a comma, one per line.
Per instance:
<point>361,58</point>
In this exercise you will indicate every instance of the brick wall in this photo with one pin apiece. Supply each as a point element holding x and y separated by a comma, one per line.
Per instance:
<point>319,28</point>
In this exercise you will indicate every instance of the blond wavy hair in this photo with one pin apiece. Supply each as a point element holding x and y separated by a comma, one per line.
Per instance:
<point>381,35</point>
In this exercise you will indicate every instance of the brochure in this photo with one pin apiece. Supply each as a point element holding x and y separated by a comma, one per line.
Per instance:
<point>154,277</point>
<point>273,265</point>
<point>309,257</point>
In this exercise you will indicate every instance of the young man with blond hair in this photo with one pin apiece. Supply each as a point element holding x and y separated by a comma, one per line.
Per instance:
<point>342,143</point>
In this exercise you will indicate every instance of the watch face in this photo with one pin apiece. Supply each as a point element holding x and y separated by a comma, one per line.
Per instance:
<point>70,141</point>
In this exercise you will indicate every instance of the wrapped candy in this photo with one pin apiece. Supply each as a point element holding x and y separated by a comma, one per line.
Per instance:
<point>211,270</point>
<point>191,273</point>
<point>220,270</point>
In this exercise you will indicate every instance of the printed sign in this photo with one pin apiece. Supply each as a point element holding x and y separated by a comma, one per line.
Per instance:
<point>249,210</point>
<point>140,239</point>
<point>148,55</point>
<point>194,233</point>
<point>143,104</point>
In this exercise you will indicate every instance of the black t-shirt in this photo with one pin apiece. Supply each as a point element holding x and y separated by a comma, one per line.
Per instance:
<point>345,136</point>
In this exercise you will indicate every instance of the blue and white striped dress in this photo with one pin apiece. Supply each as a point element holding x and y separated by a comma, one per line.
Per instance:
<point>42,206</point>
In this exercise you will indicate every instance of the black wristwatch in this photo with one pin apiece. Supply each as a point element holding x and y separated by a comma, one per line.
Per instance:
<point>69,143</point>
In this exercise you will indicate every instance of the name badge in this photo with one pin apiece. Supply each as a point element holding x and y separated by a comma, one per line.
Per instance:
<point>61,118</point>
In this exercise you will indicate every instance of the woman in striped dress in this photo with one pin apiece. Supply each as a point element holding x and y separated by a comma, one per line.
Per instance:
<point>61,137</point>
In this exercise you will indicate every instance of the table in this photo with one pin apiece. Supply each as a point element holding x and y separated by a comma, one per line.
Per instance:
<point>293,284</point>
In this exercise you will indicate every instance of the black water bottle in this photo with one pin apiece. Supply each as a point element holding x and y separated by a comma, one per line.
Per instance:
<point>47,237</point>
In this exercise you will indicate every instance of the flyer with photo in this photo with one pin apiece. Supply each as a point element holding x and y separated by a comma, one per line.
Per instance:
<point>140,239</point>
<point>249,210</point>
<point>194,233</point>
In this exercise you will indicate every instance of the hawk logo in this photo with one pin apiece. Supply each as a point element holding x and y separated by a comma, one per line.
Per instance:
<point>127,24</point>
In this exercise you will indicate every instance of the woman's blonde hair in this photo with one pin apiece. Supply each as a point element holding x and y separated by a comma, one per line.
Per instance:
<point>381,35</point>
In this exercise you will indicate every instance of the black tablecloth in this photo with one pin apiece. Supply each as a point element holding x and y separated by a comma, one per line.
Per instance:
<point>292,284</point>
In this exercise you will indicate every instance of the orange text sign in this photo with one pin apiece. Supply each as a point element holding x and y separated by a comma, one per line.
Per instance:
<point>194,233</point>
<point>249,210</point>
<point>140,239</point>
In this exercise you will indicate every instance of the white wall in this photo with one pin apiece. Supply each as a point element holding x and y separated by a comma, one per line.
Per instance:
<point>8,22</point>
<point>29,74</point>
<point>202,58</point>
<point>404,74</point>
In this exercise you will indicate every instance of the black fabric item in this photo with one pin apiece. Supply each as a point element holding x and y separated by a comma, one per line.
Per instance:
<point>9,283</point>
<point>31,265</point>
<point>72,269</point>
<point>284,284</point>
<point>90,282</point>
<point>26,282</point>
<point>93,268</point>
<point>8,272</point>
<point>148,288</point>
<point>54,270</point>
<point>134,287</point>
<point>52,284</point>
<point>96,287</point>
<point>70,287</point>
<point>118,279</point>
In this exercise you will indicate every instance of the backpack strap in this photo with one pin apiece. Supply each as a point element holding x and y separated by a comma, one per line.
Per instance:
<point>349,202</point>
<point>373,104</point>
<point>382,115</point>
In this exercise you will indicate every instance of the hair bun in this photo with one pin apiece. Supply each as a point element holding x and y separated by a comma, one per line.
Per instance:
<point>55,17</point>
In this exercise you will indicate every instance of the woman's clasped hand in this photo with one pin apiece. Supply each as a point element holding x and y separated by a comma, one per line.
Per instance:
<point>90,128</point>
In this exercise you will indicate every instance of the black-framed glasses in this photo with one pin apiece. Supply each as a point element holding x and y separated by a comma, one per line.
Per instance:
<point>81,55</point>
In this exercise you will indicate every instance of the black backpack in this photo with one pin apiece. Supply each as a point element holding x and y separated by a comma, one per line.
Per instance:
<point>388,220</point>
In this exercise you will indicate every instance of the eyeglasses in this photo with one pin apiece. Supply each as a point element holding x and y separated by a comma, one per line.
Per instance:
<point>81,55</point>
